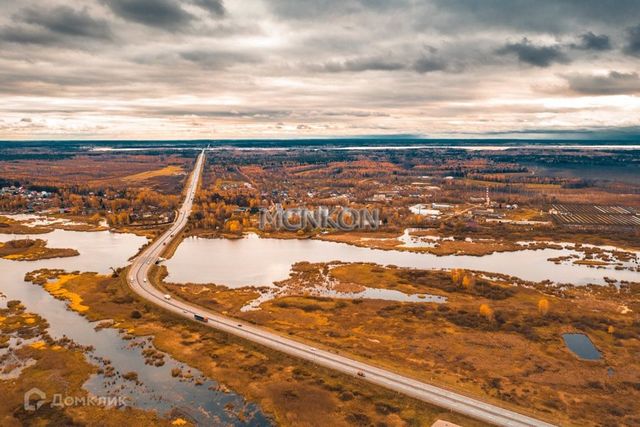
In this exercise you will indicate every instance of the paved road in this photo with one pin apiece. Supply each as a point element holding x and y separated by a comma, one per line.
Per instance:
<point>139,282</point>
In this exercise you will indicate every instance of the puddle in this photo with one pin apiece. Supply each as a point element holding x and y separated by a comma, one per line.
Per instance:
<point>327,288</point>
<point>410,240</point>
<point>581,345</point>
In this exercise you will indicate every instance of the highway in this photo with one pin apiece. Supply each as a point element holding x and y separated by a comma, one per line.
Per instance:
<point>139,282</point>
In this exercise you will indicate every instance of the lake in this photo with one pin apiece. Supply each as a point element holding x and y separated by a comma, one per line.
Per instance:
<point>254,261</point>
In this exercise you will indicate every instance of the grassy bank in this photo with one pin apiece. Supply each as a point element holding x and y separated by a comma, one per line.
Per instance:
<point>292,391</point>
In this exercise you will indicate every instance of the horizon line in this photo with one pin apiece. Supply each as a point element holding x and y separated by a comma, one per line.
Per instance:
<point>385,138</point>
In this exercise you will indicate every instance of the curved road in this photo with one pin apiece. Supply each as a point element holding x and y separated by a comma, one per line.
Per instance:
<point>139,282</point>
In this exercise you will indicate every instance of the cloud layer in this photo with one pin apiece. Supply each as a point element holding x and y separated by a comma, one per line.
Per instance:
<point>289,68</point>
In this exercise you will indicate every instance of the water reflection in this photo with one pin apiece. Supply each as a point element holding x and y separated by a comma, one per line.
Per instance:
<point>158,389</point>
<point>252,261</point>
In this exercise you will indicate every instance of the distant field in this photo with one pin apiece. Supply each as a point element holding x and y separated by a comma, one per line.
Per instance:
<point>625,173</point>
<point>166,171</point>
<point>161,171</point>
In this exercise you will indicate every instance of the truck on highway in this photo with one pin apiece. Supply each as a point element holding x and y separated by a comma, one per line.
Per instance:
<point>200,318</point>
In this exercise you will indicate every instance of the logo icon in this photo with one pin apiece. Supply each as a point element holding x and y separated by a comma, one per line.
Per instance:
<point>34,399</point>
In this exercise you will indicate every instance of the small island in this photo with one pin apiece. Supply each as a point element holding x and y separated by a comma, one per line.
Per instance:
<point>32,250</point>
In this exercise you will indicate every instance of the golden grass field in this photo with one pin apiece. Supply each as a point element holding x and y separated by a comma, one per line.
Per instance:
<point>142,176</point>
<point>490,339</point>
<point>293,392</point>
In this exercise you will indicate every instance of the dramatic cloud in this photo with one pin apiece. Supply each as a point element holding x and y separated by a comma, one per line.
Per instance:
<point>550,16</point>
<point>65,20</point>
<point>613,83</point>
<point>27,35</point>
<point>272,68</point>
<point>590,41</point>
<point>362,64</point>
<point>426,64</point>
<point>311,10</point>
<point>633,41</point>
<point>217,59</point>
<point>215,7</point>
<point>165,14</point>
<point>52,26</point>
<point>539,56</point>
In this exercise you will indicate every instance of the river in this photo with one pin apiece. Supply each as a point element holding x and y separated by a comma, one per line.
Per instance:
<point>159,390</point>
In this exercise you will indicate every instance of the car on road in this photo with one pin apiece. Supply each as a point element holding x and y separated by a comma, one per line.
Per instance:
<point>200,318</point>
<point>360,374</point>
<point>166,296</point>
<point>145,280</point>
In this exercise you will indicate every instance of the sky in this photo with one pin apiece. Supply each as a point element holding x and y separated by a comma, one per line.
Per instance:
<point>218,69</point>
